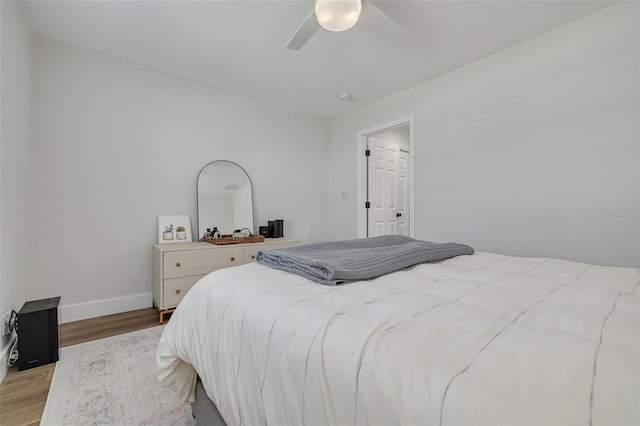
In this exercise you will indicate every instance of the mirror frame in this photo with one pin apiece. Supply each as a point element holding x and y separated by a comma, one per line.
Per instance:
<point>198,197</point>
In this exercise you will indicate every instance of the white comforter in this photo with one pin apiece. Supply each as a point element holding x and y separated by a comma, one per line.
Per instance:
<point>481,339</point>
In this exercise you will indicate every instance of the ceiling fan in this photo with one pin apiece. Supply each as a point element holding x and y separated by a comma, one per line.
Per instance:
<point>340,15</point>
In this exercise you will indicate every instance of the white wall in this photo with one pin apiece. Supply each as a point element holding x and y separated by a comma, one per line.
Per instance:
<point>103,133</point>
<point>15,163</point>
<point>523,152</point>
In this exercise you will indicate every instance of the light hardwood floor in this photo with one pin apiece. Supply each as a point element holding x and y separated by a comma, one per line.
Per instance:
<point>23,394</point>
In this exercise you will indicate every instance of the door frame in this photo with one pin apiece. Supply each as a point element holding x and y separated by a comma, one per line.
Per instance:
<point>362,171</point>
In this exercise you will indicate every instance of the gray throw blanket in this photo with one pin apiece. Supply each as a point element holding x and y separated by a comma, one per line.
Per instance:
<point>338,262</point>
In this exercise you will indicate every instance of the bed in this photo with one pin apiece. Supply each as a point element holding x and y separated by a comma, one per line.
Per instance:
<point>475,339</point>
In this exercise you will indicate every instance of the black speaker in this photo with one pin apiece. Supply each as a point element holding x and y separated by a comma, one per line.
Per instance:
<point>278,228</point>
<point>264,231</point>
<point>38,333</point>
<point>271,231</point>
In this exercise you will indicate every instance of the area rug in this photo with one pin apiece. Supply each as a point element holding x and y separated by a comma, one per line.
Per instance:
<point>112,381</point>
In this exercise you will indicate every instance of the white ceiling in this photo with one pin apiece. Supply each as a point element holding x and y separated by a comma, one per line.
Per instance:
<point>238,46</point>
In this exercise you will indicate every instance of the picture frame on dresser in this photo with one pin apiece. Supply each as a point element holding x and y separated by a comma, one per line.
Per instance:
<point>174,229</point>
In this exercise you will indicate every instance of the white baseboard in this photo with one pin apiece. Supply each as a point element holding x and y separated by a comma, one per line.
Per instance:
<point>4,357</point>
<point>97,308</point>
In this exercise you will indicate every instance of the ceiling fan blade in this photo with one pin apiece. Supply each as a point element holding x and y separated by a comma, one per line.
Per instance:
<point>304,33</point>
<point>377,22</point>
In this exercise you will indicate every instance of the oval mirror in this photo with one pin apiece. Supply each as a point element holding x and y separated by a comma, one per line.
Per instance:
<point>225,198</point>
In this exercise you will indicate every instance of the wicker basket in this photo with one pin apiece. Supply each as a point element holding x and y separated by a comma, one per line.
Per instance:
<point>227,239</point>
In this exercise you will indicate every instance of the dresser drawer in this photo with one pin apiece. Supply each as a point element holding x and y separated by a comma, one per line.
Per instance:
<point>249,254</point>
<point>176,288</point>
<point>200,262</point>
<point>177,267</point>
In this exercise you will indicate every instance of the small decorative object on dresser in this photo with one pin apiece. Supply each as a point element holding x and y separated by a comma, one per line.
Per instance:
<point>167,234</point>
<point>176,268</point>
<point>167,225</point>
<point>180,233</point>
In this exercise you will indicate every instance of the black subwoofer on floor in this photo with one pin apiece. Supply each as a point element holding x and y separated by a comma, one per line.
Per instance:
<point>38,333</point>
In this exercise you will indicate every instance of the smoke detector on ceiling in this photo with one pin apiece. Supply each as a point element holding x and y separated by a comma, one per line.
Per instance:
<point>345,96</point>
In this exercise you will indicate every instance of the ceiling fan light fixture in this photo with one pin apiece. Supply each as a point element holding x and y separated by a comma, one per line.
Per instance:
<point>338,15</point>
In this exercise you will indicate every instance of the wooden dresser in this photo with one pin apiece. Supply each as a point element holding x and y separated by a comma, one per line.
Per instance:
<point>177,267</point>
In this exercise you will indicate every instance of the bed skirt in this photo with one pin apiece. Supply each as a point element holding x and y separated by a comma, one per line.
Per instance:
<point>205,410</point>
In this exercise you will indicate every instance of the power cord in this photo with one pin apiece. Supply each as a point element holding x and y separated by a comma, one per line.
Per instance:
<point>13,328</point>
<point>13,321</point>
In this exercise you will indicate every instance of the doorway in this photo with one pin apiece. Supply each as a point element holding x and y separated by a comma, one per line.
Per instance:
<point>385,179</point>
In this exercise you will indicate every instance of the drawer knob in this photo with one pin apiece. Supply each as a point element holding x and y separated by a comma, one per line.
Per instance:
<point>253,256</point>
<point>177,264</point>
<point>178,291</point>
<point>233,258</point>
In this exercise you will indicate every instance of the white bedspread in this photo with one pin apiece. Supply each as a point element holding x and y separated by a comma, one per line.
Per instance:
<point>481,339</point>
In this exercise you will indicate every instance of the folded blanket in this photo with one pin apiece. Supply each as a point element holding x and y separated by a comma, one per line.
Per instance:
<point>339,262</point>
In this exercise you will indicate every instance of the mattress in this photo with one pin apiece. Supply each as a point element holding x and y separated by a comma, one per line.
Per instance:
<point>479,339</point>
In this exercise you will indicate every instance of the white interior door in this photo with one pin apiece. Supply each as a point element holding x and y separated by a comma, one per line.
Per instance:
<point>388,189</point>
<point>402,193</point>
